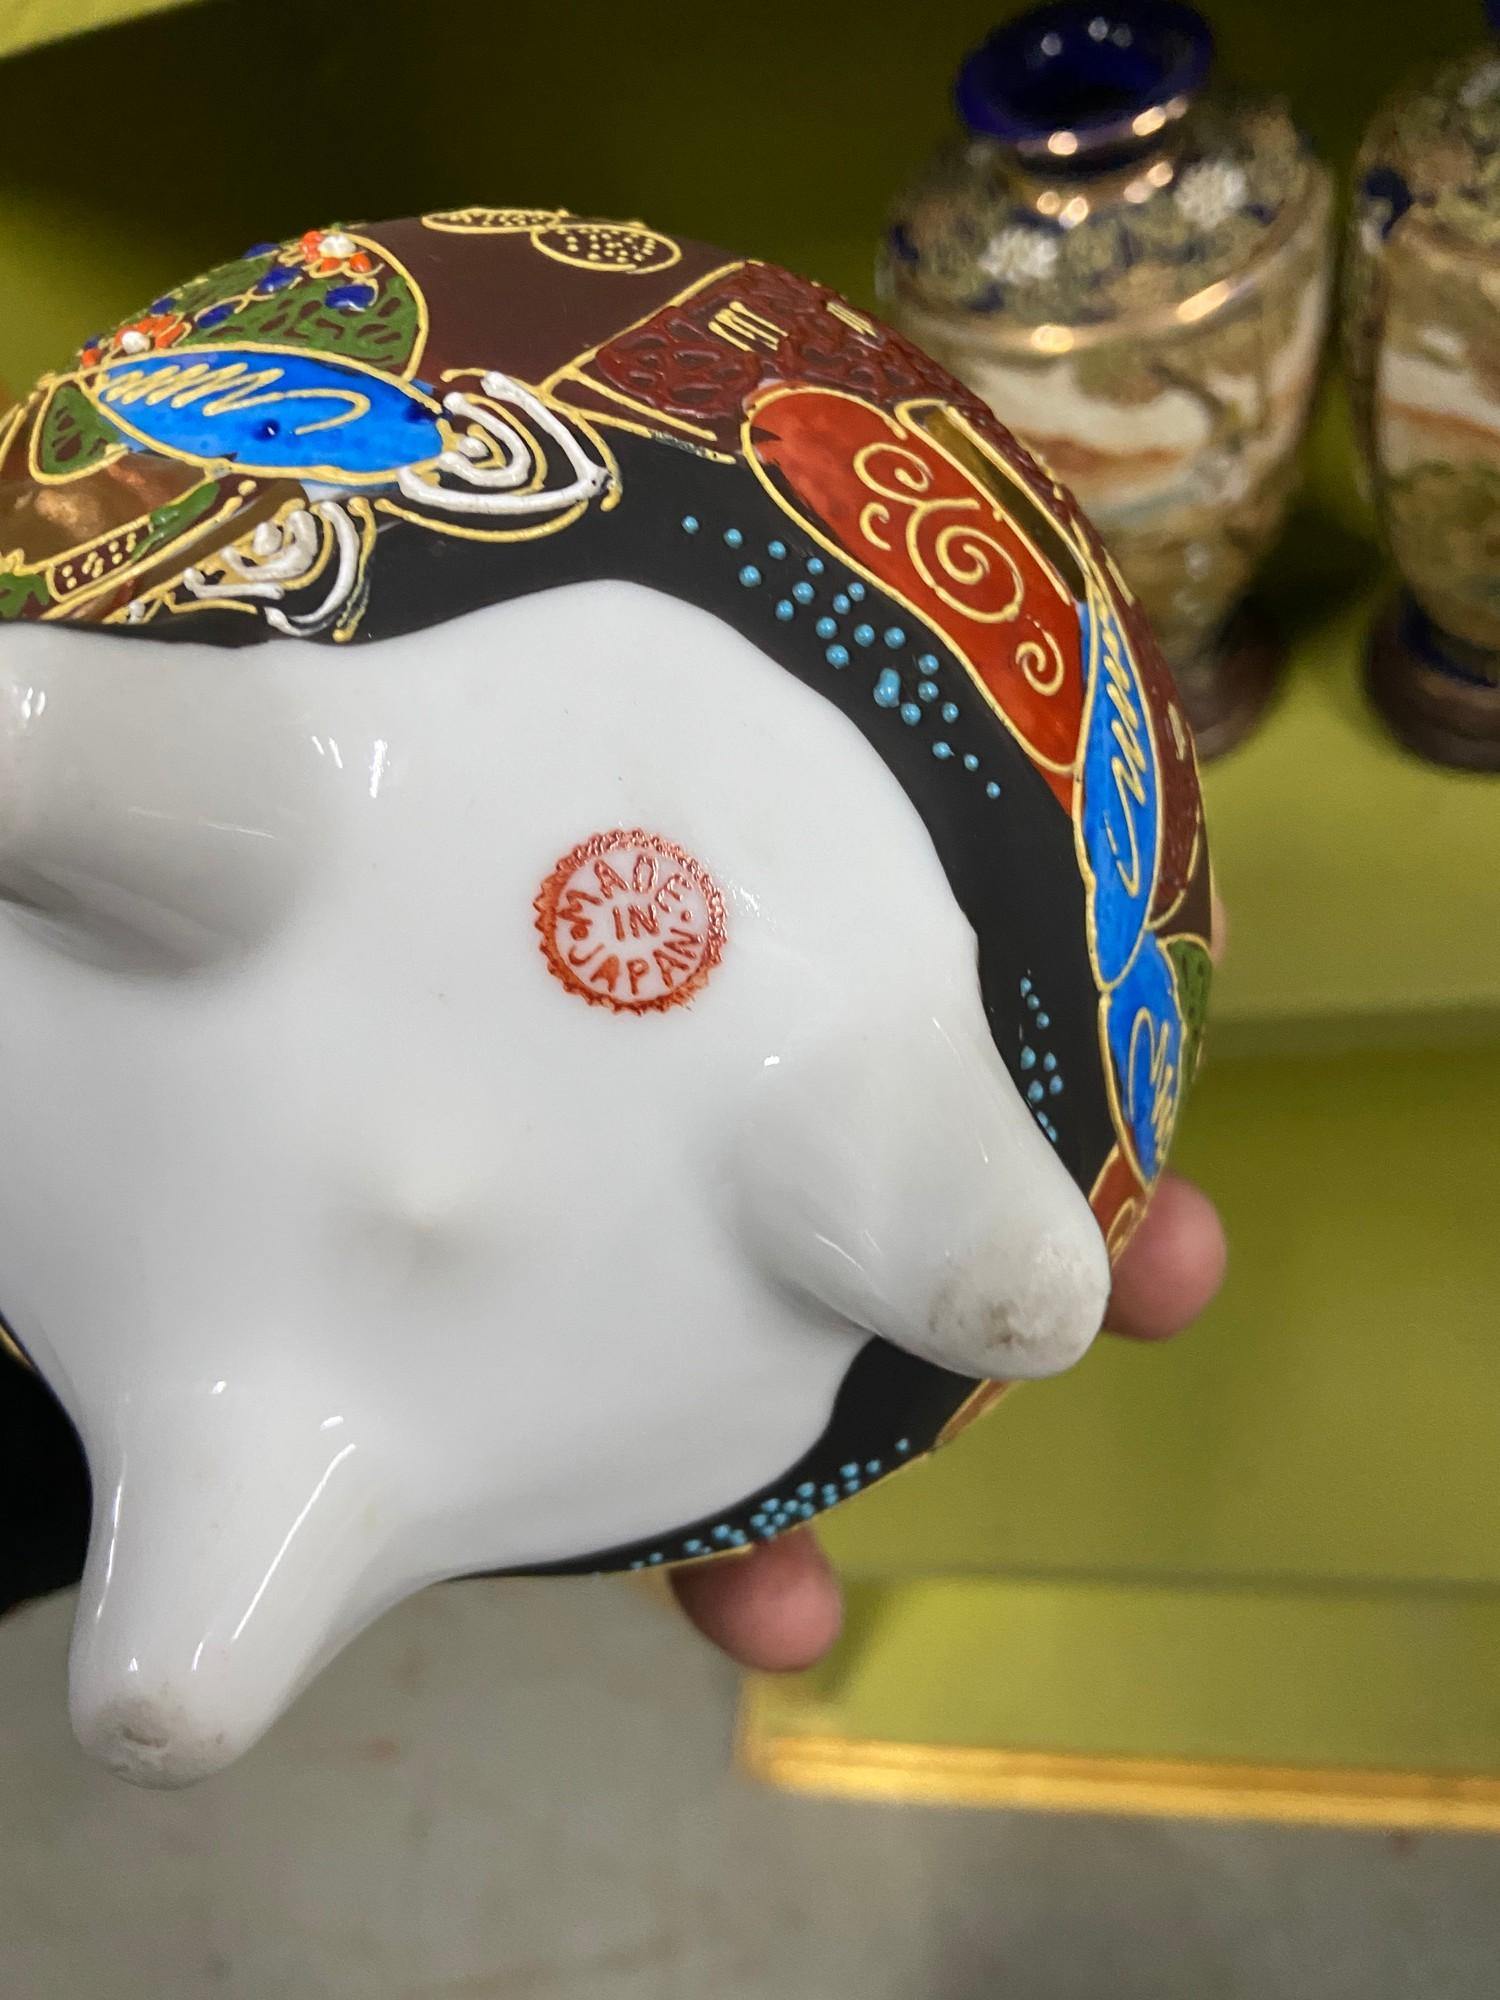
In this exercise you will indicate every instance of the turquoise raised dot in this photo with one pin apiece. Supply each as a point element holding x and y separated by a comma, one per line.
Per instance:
<point>826,627</point>
<point>1035,1092</point>
<point>690,524</point>
<point>722,1534</point>
<point>815,565</point>
<point>1032,1002</point>
<point>837,656</point>
<point>942,749</point>
<point>894,637</point>
<point>1049,1061</point>
<point>749,576</point>
<point>863,634</point>
<point>903,1444</point>
<point>841,604</point>
<point>928,662</point>
<point>786,609</point>
<point>776,550</point>
<point>1028,1058</point>
<point>806,1490</point>
<point>803,592</point>
<point>910,712</point>
<point>971,762</point>
<point>656,1556</point>
<point>739,1538</point>
<point>949,711</point>
<point>637,1564</point>
<point>1055,1086</point>
<point>928,690</point>
<point>733,537</point>
<point>693,1548</point>
<point>873,1466</point>
<point>992,790</point>
<point>1025,985</point>
<point>855,590</point>
<point>1044,1020</point>
<point>888,688</point>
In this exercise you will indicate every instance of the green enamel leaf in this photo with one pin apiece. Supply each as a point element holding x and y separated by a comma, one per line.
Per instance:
<point>177,516</point>
<point>1193,970</point>
<point>383,335</point>
<point>224,282</point>
<point>73,435</point>
<point>19,592</point>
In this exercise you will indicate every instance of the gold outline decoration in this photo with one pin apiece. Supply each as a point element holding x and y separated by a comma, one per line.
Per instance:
<point>329,475</point>
<point>63,608</point>
<point>982,1398</point>
<point>842,555</point>
<point>11,1346</point>
<point>655,419</point>
<point>50,384</point>
<point>651,239</point>
<point>540,223</point>
<point>481,221</point>
<point>961,1774</point>
<point>424,322</point>
<point>1092,675</point>
<point>608,498</point>
<point>576,363</point>
<point>12,420</point>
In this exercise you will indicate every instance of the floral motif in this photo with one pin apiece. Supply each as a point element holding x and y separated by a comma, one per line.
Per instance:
<point>973,234</point>
<point>1016,255</point>
<point>1210,192</point>
<point>328,253</point>
<point>150,332</point>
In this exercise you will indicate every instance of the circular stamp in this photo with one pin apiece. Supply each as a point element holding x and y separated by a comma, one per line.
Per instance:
<point>631,921</point>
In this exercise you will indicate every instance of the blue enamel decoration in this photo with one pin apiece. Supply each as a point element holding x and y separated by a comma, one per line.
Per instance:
<point>1121,807</point>
<point>270,412</point>
<point>1144,1029</point>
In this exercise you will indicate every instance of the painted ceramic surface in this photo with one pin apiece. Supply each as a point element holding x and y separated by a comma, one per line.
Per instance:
<point>1423,341</point>
<point>609,904</point>
<point>1150,325</point>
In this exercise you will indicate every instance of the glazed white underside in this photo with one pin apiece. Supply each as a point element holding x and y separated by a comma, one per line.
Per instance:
<point>363,1253</point>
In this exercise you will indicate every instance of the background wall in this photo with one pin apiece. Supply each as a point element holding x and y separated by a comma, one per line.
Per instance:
<point>133,156</point>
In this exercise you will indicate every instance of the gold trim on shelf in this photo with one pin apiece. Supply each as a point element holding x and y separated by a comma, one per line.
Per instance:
<point>975,1775</point>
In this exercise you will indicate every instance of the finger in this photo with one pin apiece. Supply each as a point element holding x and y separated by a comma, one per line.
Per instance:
<point>1173,1265</point>
<point>777,1609</point>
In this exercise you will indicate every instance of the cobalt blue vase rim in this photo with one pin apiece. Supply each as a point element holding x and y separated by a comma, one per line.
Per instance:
<point>1072,72</point>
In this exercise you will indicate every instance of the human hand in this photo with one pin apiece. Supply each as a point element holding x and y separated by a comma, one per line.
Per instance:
<point>779,1607</point>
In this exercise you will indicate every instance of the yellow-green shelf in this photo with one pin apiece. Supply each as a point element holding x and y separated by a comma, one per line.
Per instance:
<point>1336,1413</point>
<point>1373,1709</point>
<point>29,23</point>
<point>1254,1571</point>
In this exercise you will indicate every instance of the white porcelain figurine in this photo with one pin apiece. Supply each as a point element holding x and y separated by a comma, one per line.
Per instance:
<point>605,913</point>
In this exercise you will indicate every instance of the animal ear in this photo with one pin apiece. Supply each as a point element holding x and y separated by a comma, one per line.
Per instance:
<point>899,1180</point>
<point>238,1541</point>
<point>154,797</point>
